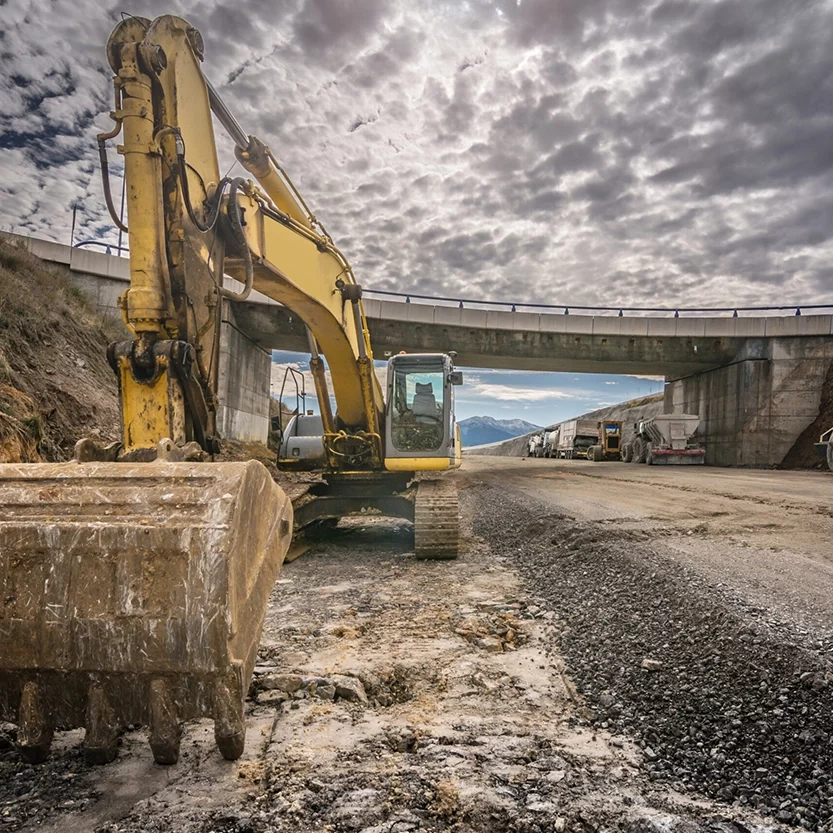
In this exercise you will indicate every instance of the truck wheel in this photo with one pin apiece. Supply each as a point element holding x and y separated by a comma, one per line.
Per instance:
<point>649,456</point>
<point>627,453</point>
<point>830,455</point>
<point>639,449</point>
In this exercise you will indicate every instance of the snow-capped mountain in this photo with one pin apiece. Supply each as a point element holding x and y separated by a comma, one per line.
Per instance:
<point>479,430</point>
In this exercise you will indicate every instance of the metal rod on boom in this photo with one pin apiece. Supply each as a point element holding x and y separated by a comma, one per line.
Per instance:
<point>226,117</point>
<point>319,378</point>
<point>257,159</point>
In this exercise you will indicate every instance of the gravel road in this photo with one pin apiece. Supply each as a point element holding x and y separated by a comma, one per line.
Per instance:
<point>764,536</point>
<point>616,649</point>
<point>695,614</point>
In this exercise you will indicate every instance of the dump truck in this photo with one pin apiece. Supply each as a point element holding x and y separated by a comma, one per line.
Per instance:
<point>136,578</point>
<point>576,437</point>
<point>665,439</point>
<point>609,442</point>
<point>824,447</point>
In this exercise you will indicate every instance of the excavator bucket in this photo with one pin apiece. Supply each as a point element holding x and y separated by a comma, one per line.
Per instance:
<point>134,593</point>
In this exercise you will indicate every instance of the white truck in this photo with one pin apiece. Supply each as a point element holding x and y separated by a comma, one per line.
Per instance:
<point>551,442</point>
<point>534,445</point>
<point>575,437</point>
<point>667,439</point>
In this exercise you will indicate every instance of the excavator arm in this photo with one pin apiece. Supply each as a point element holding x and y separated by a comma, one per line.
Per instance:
<point>188,227</point>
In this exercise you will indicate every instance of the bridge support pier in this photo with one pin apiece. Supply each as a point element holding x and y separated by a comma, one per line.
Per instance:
<point>244,384</point>
<point>753,411</point>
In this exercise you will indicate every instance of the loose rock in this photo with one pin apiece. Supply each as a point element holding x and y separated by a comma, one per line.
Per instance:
<point>349,688</point>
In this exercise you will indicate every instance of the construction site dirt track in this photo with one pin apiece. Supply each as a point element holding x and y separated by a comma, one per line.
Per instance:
<point>617,648</point>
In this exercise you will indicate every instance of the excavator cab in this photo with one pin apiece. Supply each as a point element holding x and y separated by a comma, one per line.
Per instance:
<point>420,430</point>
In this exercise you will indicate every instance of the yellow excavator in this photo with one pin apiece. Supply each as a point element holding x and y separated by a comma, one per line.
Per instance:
<point>134,580</point>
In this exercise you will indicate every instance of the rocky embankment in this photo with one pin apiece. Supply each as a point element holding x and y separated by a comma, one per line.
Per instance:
<point>55,383</point>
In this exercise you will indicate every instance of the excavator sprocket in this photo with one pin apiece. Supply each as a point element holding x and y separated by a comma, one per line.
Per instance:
<point>437,520</point>
<point>134,593</point>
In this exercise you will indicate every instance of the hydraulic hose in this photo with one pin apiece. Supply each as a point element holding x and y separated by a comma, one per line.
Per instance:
<point>214,211</point>
<point>236,222</point>
<point>102,156</point>
<point>105,181</point>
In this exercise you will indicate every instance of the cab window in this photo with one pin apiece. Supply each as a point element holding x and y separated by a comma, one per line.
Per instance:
<point>417,409</point>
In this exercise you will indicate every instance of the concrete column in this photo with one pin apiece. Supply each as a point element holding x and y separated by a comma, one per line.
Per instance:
<point>245,368</point>
<point>754,410</point>
<point>243,385</point>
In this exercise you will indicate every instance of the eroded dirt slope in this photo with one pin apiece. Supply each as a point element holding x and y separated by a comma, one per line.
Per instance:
<point>55,383</point>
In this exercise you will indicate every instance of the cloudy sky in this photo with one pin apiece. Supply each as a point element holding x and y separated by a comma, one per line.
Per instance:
<point>564,151</point>
<point>539,398</point>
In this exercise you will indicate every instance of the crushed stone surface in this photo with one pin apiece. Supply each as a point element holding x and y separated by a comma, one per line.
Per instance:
<point>722,700</point>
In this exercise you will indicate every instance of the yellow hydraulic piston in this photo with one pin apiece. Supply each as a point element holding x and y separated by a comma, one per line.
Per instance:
<point>148,296</point>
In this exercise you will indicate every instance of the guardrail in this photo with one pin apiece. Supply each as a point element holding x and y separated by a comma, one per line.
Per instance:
<point>108,247</point>
<point>461,302</point>
<point>513,306</point>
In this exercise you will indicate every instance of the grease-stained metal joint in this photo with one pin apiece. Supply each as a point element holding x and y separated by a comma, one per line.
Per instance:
<point>195,39</point>
<point>153,56</point>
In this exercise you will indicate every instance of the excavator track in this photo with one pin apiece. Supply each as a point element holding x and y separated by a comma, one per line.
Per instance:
<point>437,520</point>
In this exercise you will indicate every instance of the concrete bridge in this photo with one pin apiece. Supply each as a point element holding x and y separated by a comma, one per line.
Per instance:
<point>755,382</point>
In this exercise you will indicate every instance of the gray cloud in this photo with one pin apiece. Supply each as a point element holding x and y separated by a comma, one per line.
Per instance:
<point>637,151</point>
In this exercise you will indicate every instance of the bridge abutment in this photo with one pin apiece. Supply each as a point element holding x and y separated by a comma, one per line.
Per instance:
<point>753,410</point>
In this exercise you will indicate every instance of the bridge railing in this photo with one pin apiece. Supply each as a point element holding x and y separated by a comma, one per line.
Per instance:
<point>109,248</point>
<point>521,306</point>
<point>515,306</point>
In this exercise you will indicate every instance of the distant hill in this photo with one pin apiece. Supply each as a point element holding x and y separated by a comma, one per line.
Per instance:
<point>479,430</point>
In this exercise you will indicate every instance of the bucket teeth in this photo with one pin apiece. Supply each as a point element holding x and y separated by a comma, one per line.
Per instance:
<point>102,728</point>
<point>165,726</point>
<point>229,727</point>
<point>34,734</point>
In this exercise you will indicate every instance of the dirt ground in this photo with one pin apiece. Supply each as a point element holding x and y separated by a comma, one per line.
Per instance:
<point>764,536</point>
<point>617,648</point>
